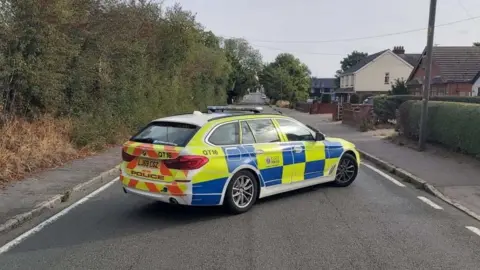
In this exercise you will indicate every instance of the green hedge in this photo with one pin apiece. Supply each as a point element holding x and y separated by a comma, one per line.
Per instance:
<point>452,124</point>
<point>109,67</point>
<point>385,106</point>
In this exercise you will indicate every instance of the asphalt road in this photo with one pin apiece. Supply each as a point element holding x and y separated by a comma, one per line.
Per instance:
<point>373,224</point>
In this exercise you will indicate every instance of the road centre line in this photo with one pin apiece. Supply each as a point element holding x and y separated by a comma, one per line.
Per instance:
<point>388,177</point>
<point>429,202</point>
<point>52,219</point>
<point>475,230</point>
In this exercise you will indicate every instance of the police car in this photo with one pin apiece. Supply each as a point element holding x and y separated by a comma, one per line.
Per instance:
<point>232,156</point>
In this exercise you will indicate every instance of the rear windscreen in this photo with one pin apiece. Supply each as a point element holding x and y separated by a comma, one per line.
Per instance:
<point>168,133</point>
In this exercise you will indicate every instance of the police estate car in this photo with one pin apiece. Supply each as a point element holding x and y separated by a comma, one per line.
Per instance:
<point>232,159</point>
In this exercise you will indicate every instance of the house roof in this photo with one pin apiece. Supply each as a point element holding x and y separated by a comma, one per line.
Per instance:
<point>364,62</point>
<point>411,58</point>
<point>323,82</point>
<point>457,64</point>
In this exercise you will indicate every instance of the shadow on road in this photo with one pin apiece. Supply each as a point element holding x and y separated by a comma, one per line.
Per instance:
<point>113,218</point>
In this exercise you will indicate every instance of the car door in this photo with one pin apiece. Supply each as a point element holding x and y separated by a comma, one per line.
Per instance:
<point>308,154</point>
<point>269,150</point>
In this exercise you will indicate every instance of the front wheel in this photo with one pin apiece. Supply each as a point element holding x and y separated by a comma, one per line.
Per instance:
<point>347,171</point>
<point>241,193</point>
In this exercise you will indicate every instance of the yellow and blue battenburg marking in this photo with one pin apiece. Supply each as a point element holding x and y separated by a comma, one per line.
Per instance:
<point>278,163</point>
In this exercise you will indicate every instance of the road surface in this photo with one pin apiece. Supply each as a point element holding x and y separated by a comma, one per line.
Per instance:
<point>373,224</point>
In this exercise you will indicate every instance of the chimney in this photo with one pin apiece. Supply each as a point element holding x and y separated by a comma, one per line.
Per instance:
<point>398,50</point>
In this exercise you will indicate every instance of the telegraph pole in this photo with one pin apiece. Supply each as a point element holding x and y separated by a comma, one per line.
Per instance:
<point>428,73</point>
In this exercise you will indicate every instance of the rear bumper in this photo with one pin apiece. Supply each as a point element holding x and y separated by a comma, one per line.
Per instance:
<point>174,193</point>
<point>166,198</point>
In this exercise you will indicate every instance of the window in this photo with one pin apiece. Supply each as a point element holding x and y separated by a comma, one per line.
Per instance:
<point>226,134</point>
<point>478,92</point>
<point>264,131</point>
<point>387,78</point>
<point>294,131</point>
<point>167,133</point>
<point>353,80</point>
<point>247,135</point>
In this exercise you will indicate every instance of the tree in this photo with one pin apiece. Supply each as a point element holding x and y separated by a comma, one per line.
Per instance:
<point>348,62</point>
<point>399,87</point>
<point>476,44</point>
<point>286,78</point>
<point>246,63</point>
<point>108,66</point>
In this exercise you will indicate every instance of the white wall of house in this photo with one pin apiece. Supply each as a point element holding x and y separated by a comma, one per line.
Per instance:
<point>347,81</point>
<point>476,88</point>
<point>372,76</point>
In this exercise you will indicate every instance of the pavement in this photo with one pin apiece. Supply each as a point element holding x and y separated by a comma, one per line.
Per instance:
<point>373,224</point>
<point>20,197</point>
<point>455,175</point>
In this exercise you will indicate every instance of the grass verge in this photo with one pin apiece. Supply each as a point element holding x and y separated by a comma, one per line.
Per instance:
<point>26,147</point>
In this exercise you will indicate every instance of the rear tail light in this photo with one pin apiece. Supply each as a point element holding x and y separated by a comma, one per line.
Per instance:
<point>186,162</point>
<point>127,157</point>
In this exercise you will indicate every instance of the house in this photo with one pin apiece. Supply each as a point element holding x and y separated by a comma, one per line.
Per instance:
<point>376,73</point>
<point>455,72</point>
<point>321,86</point>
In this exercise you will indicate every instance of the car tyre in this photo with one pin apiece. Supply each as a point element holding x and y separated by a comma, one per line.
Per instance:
<point>241,193</point>
<point>347,171</point>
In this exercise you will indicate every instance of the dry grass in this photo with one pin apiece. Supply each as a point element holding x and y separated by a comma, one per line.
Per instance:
<point>26,147</point>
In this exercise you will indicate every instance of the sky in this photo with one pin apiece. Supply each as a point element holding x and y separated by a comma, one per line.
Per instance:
<point>313,30</point>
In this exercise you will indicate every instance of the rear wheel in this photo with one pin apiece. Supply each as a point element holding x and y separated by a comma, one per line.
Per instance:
<point>347,171</point>
<point>241,193</point>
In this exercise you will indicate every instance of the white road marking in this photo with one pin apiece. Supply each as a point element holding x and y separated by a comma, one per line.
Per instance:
<point>429,202</point>
<point>474,230</point>
<point>40,226</point>
<point>388,177</point>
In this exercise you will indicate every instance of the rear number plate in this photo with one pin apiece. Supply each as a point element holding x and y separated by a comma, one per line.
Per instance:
<point>149,163</point>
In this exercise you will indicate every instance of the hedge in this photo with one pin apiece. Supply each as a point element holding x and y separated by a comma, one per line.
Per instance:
<point>385,106</point>
<point>452,124</point>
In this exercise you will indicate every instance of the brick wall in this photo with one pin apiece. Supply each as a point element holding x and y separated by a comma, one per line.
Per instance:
<point>323,108</point>
<point>303,107</point>
<point>358,115</point>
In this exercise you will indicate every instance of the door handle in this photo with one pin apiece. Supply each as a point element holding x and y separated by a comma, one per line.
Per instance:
<point>297,149</point>
<point>258,152</point>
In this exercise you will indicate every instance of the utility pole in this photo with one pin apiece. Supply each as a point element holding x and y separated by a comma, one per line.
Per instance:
<point>428,74</point>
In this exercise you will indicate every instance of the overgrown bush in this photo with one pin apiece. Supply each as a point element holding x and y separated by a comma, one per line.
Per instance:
<point>98,70</point>
<point>453,124</point>
<point>385,106</point>
<point>108,65</point>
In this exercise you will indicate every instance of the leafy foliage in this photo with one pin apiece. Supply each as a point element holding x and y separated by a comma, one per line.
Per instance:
<point>109,65</point>
<point>348,62</point>
<point>452,124</point>
<point>246,63</point>
<point>386,106</point>
<point>477,44</point>
<point>399,87</point>
<point>287,78</point>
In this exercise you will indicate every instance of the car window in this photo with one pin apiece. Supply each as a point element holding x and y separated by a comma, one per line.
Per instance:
<point>294,131</point>
<point>264,131</point>
<point>226,134</point>
<point>247,135</point>
<point>168,133</point>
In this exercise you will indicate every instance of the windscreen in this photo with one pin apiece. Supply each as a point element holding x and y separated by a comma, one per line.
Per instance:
<point>168,133</point>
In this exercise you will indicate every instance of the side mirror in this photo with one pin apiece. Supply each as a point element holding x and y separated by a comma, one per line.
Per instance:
<point>319,136</point>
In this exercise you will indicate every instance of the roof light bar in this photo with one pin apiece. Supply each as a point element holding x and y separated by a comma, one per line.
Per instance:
<point>235,108</point>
